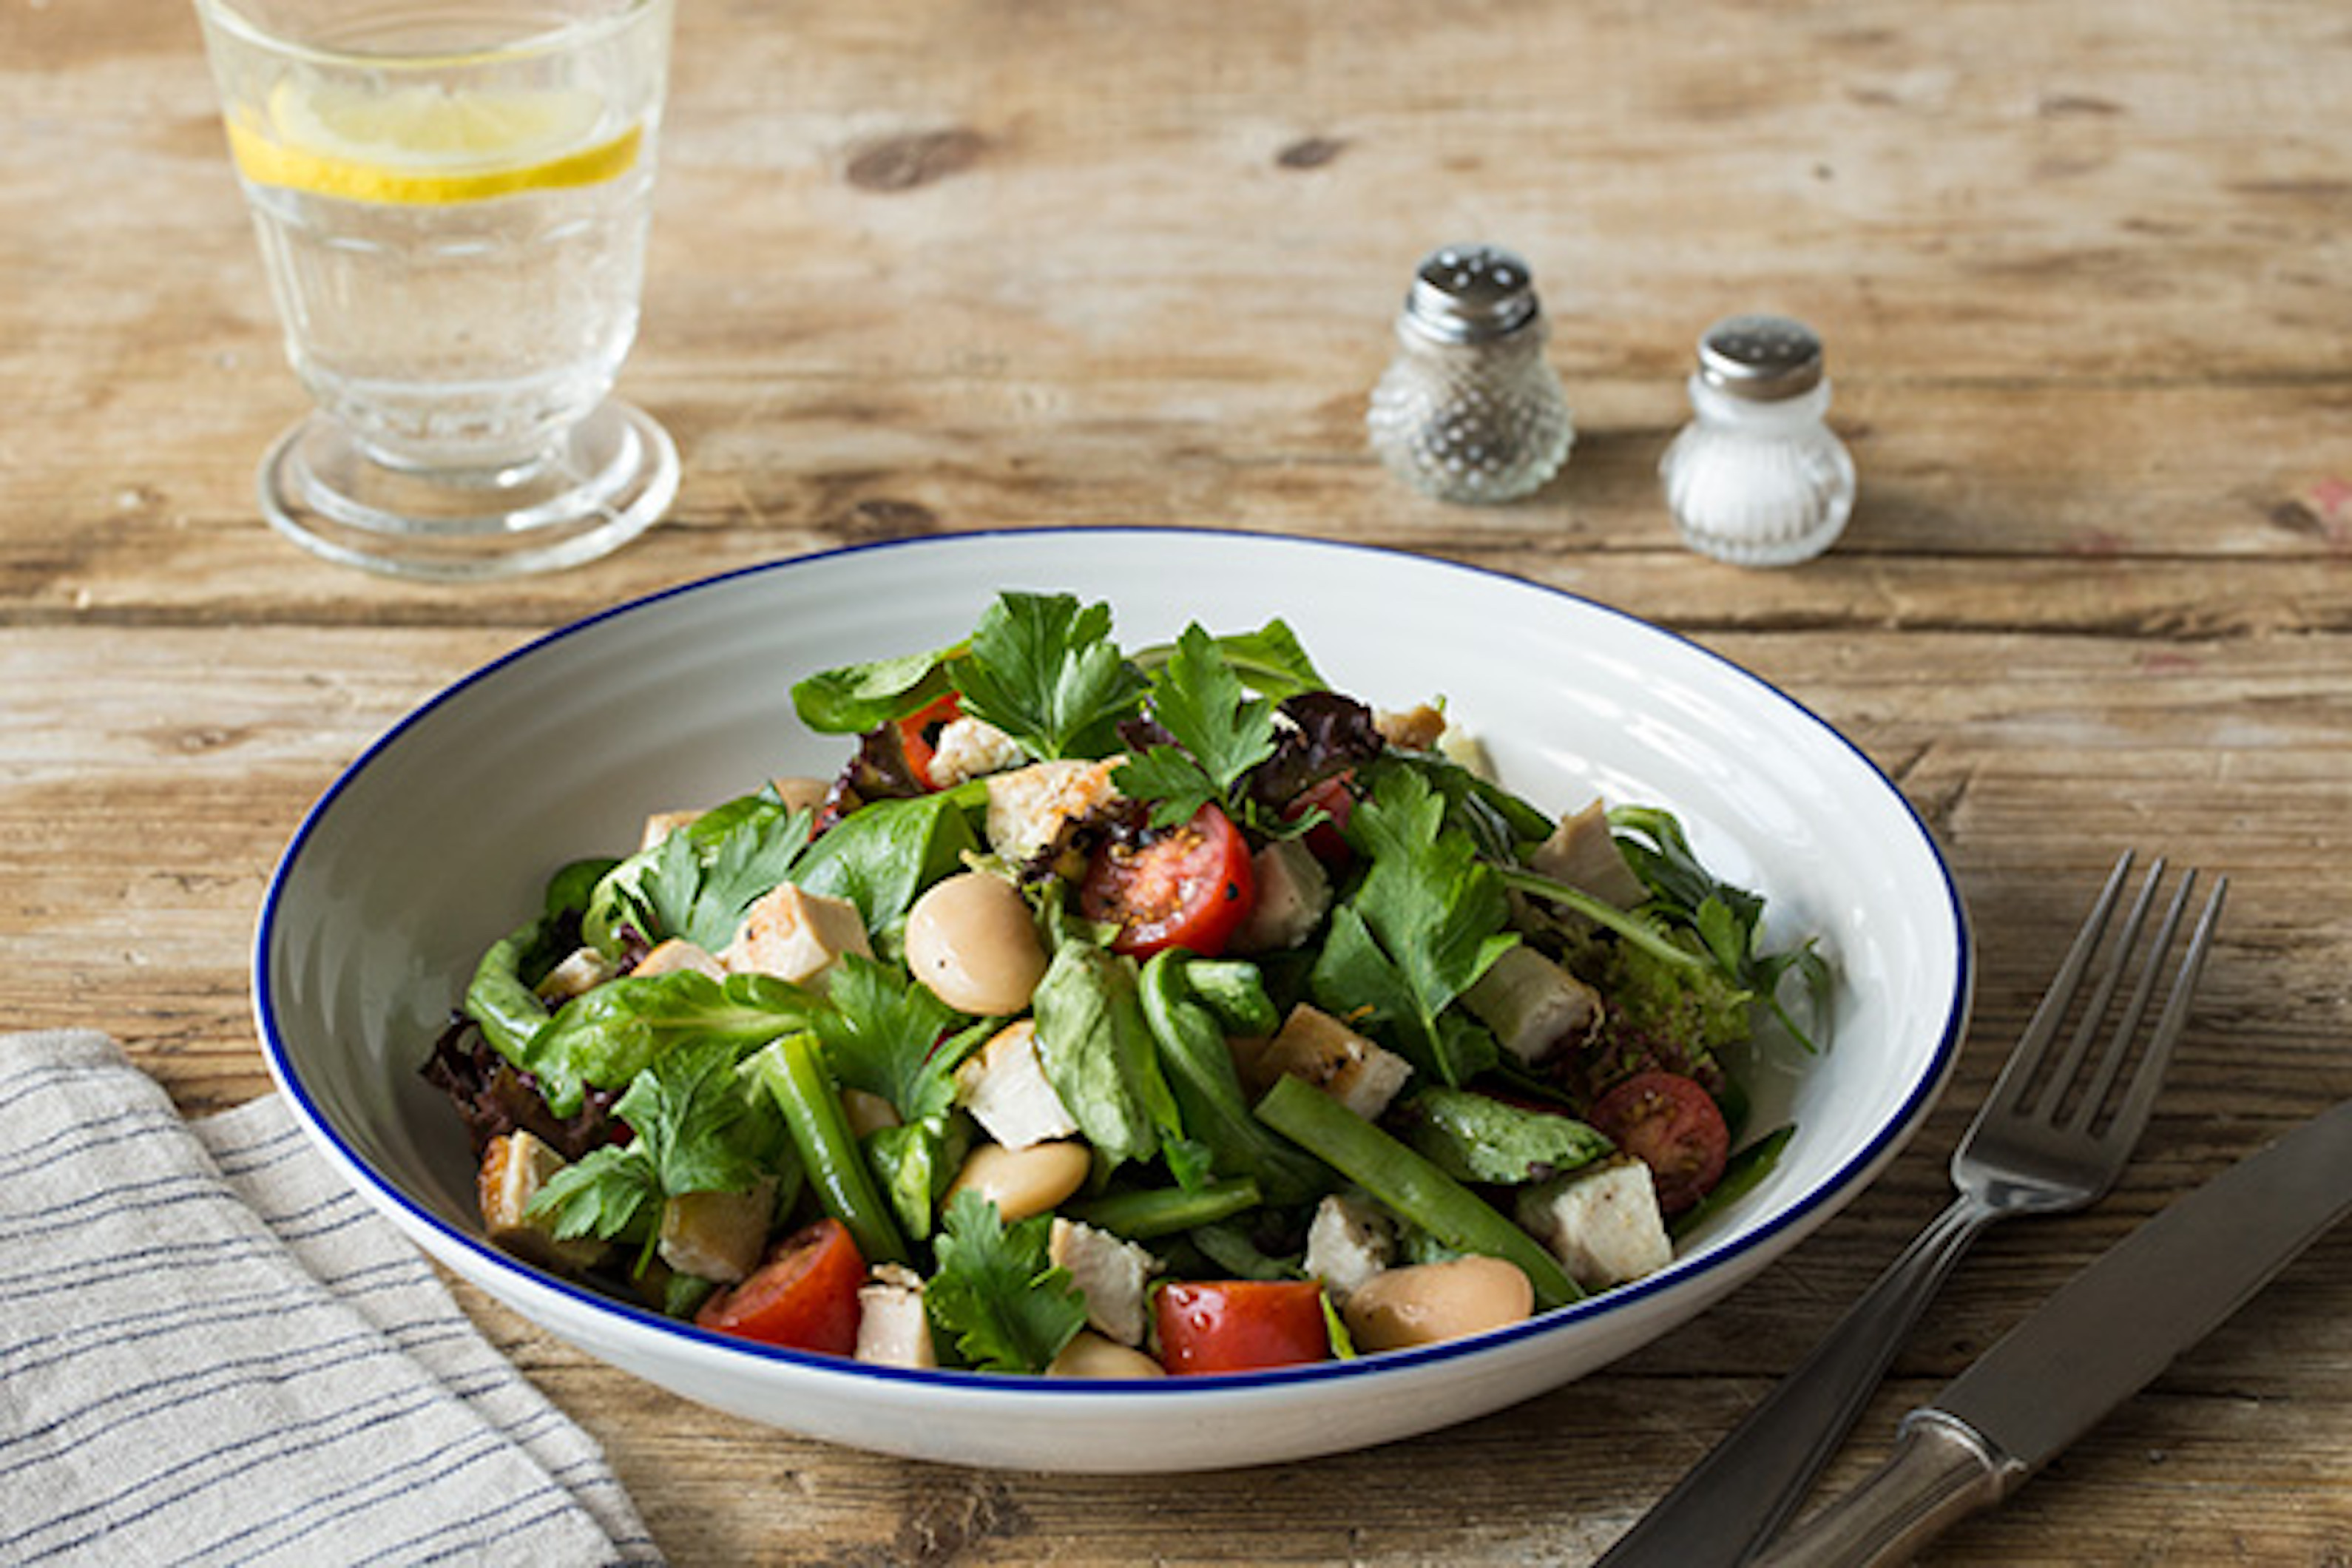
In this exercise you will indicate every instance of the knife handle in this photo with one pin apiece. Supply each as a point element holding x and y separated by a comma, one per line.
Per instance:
<point>1942,1470</point>
<point>1757,1478</point>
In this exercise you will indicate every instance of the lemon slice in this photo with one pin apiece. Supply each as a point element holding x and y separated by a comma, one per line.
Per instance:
<point>429,144</point>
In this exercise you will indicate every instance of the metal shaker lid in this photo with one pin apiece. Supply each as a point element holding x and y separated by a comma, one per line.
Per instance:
<point>1471,293</point>
<point>1761,358</point>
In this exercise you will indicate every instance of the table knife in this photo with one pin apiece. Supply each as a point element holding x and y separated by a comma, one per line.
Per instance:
<point>2101,1339</point>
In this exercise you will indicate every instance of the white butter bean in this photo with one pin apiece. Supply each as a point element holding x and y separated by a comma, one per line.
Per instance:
<point>1426,1302</point>
<point>1094,1355</point>
<point>1023,1181</point>
<point>971,939</point>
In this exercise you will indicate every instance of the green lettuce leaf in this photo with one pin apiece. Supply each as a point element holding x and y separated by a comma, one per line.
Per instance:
<point>604,1037</point>
<point>1097,1050</point>
<point>1478,1137</point>
<point>855,698</point>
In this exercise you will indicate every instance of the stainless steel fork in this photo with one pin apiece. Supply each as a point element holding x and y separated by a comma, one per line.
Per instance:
<point>2051,1137</point>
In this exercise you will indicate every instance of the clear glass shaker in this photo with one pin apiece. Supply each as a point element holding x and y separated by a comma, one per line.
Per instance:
<point>1470,410</point>
<point>1758,479</point>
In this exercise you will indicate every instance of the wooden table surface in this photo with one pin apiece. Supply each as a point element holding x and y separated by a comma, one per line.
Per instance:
<point>2082,274</point>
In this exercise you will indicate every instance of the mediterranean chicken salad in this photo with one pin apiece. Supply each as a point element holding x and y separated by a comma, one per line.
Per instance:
<point>1121,1013</point>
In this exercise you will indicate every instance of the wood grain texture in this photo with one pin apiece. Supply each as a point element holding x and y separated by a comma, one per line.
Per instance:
<point>921,269</point>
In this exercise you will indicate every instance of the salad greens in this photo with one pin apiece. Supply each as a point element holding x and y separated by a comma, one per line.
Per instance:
<point>1217,734</point>
<point>1043,669</point>
<point>998,1293</point>
<point>1260,953</point>
<point>1426,921</point>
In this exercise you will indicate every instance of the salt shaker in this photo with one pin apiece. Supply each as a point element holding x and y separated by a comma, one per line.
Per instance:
<point>1758,479</point>
<point>1469,410</point>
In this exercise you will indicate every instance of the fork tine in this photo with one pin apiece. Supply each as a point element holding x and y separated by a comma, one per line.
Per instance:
<point>2017,1074</point>
<point>2055,1084</point>
<point>2126,1029</point>
<point>2131,1116</point>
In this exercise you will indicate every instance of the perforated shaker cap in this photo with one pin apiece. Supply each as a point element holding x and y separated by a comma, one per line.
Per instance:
<point>1760,358</point>
<point>1471,293</point>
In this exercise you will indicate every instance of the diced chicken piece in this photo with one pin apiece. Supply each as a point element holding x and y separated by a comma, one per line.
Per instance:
<point>678,954</point>
<point>801,793</point>
<point>892,1328</point>
<point>717,1236</point>
<point>1110,1272</point>
<point>867,1112</point>
<point>515,1166</point>
<point>1414,730</point>
<point>1352,1069</point>
<point>1030,809</point>
<point>970,748</point>
<point>1533,1004</point>
<point>1582,853</point>
<point>1602,1224</point>
<point>1348,1242</point>
<point>661,824</point>
<point>796,936</point>
<point>1005,1089</point>
<point>1293,893</point>
<point>1090,1354</point>
<point>582,969</point>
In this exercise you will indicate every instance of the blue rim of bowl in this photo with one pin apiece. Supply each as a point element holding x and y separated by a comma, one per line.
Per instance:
<point>1895,1130</point>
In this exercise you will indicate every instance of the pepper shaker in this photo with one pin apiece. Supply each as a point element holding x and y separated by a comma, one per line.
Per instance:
<point>1470,410</point>
<point>1757,478</point>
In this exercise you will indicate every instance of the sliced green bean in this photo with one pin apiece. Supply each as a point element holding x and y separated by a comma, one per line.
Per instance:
<point>1200,1073</point>
<point>1164,1211</point>
<point>1415,1189</point>
<point>793,1070</point>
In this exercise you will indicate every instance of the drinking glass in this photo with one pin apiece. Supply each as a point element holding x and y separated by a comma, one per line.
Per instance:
<point>452,198</point>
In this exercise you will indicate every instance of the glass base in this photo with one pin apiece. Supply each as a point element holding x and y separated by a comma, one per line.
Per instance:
<point>601,485</point>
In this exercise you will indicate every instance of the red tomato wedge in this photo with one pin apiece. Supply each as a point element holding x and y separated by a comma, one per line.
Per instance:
<point>918,735</point>
<point>1189,888</point>
<point>1335,797</point>
<point>1241,1325</point>
<point>1671,1125</point>
<point>803,1297</point>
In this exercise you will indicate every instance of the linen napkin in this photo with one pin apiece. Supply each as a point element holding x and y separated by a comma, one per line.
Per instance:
<point>213,1351</point>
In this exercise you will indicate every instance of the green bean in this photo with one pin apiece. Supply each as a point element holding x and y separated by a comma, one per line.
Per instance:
<point>793,1070</point>
<point>1200,1073</point>
<point>1416,1190</point>
<point>1164,1211</point>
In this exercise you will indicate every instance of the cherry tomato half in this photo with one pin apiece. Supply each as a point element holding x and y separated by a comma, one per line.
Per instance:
<point>1335,797</point>
<point>918,734</point>
<point>803,1297</point>
<point>1189,888</point>
<point>1241,1325</point>
<point>1673,1126</point>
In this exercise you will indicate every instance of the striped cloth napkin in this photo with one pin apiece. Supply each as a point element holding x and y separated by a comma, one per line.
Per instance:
<point>213,1351</point>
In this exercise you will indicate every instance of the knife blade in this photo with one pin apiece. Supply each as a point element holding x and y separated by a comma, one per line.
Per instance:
<point>2101,1339</point>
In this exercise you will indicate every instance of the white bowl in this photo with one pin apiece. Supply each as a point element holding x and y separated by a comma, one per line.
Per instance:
<point>439,838</point>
